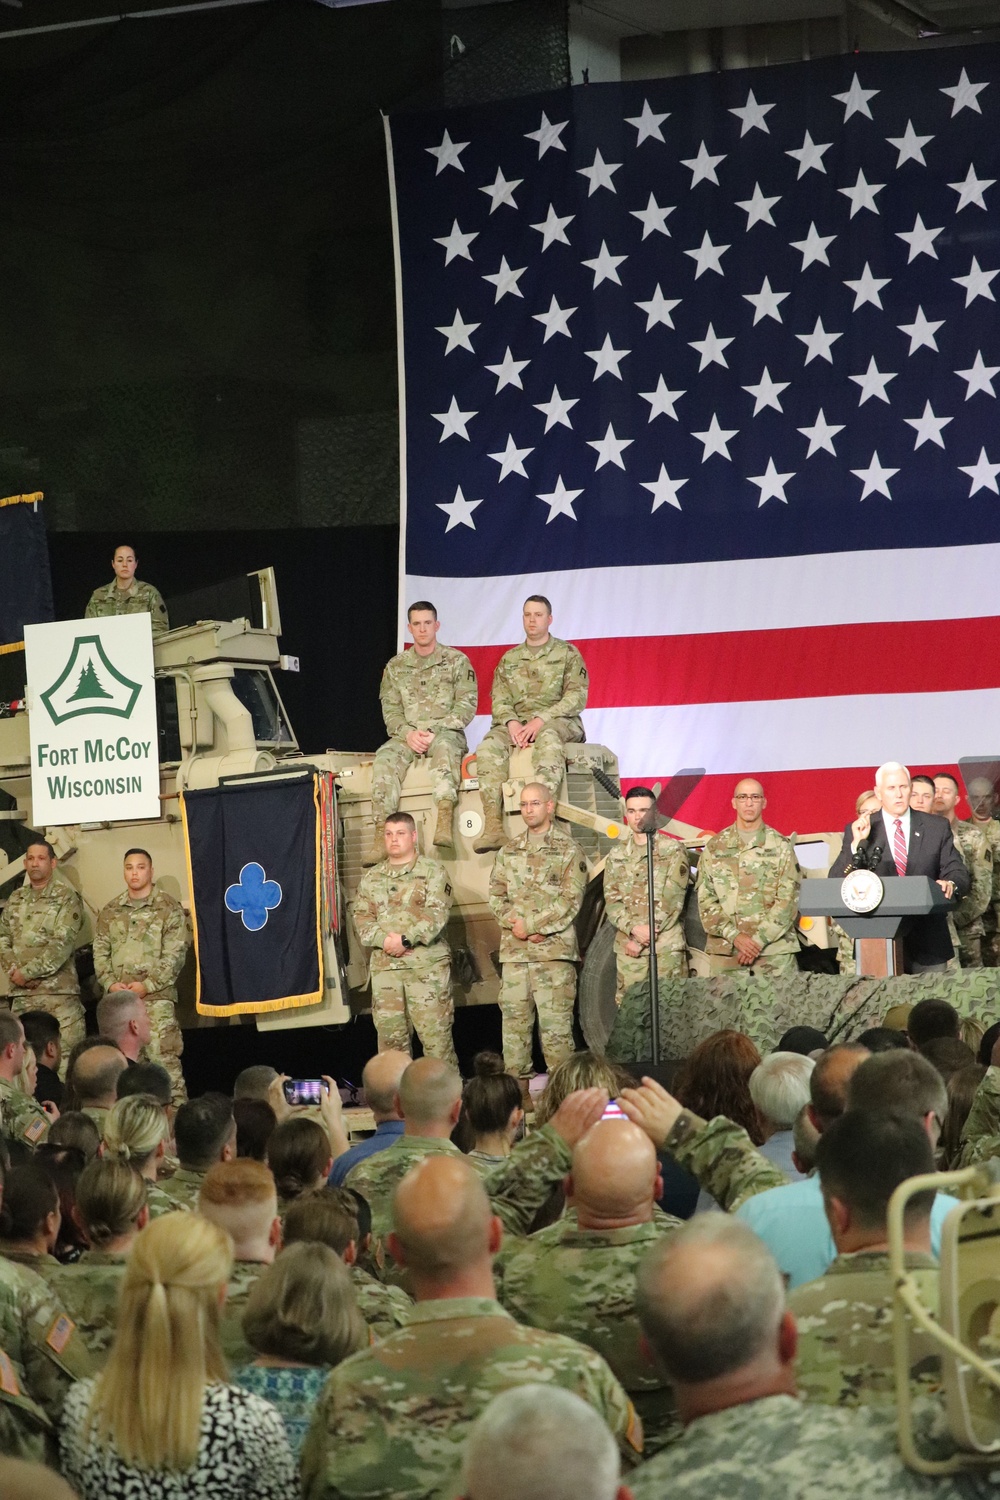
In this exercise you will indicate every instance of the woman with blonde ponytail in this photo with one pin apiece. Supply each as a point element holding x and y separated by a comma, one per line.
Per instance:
<point>161,1421</point>
<point>136,1131</point>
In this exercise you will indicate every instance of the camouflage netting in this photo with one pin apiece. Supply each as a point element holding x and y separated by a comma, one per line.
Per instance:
<point>839,1005</point>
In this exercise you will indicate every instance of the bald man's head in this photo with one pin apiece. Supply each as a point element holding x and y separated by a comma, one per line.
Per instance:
<point>380,1081</point>
<point>95,1075</point>
<point>443,1224</point>
<point>429,1091</point>
<point>613,1177</point>
<point>828,1081</point>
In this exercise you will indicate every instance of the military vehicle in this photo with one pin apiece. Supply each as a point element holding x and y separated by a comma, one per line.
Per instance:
<point>220,716</point>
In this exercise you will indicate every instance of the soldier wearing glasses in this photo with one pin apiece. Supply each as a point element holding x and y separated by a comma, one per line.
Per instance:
<point>748,891</point>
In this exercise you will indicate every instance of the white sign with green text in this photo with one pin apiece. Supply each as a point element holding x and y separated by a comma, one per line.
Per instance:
<point>92,717</point>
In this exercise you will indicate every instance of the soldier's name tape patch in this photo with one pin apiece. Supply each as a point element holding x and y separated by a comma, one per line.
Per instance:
<point>8,1376</point>
<point>60,1333</point>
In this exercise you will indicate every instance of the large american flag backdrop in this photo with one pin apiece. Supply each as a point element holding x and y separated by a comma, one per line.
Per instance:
<point>709,362</point>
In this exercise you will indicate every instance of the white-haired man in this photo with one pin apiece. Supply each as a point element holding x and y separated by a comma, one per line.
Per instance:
<point>779,1086</point>
<point>539,1442</point>
<point>909,843</point>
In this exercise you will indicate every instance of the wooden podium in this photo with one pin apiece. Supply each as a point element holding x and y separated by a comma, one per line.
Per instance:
<point>878,947</point>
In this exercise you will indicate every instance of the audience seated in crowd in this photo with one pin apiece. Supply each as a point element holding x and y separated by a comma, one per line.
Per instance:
<point>300,1320</point>
<point>540,1442</point>
<point>492,1117</point>
<point>162,1419</point>
<point>779,1088</point>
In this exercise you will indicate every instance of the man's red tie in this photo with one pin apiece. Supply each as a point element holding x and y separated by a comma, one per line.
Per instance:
<point>899,848</point>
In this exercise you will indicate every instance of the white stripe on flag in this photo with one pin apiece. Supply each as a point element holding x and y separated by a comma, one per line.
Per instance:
<point>768,593</point>
<point>794,734</point>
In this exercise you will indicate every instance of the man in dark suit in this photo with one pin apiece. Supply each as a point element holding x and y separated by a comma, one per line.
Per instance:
<point>912,843</point>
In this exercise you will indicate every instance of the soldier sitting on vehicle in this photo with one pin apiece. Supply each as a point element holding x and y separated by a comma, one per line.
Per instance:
<point>140,945</point>
<point>539,693</point>
<point>428,696</point>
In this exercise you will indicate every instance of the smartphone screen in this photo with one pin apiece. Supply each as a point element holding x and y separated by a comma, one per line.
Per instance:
<point>614,1111</point>
<point>303,1090</point>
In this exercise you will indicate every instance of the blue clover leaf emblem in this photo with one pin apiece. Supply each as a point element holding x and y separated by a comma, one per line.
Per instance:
<point>253,896</point>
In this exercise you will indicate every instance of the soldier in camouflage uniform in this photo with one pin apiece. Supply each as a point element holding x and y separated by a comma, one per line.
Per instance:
<point>845,1318</point>
<point>400,912</point>
<point>21,1118</point>
<point>711,1303</point>
<point>127,596</point>
<point>539,693</point>
<point>748,891</point>
<point>965,923</point>
<point>428,696</point>
<point>90,1290</point>
<point>982,806</point>
<point>536,891</point>
<point>42,1345</point>
<point>39,930</point>
<point>578,1276</point>
<point>239,1197</point>
<point>626,899</point>
<point>517,1188</point>
<point>392,1419</point>
<point>331,1217</point>
<point>140,944</point>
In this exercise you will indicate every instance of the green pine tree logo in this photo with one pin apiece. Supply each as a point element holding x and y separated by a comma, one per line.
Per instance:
<point>89,685</point>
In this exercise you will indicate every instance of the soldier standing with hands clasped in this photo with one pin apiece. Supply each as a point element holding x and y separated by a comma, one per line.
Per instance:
<point>626,898</point>
<point>748,891</point>
<point>140,945</point>
<point>536,891</point>
<point>39,928</point>
<point>400,912</point>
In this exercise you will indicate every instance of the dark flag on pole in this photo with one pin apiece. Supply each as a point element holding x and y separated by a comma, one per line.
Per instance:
<point>253,856</point>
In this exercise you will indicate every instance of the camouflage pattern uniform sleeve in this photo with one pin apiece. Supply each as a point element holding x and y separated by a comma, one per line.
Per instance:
<point>162,973</point>
<point>54,1354</point>
<point>392,705</point>
<point>779,917</point>
<point>981,1135</point>
<point>102,948</point>
<point>714,918</point>
<point>564,900</point>
<point>465,694</point>
<point>158,617</point>
<point>50,957</point>
<point>617,884</point>
<point>499,896</point>
<point>437,905</point>
<point>672,883</point>
<point>502,695</point>
<point>601,1390</point>
<point>366,912</point>
<point>574,698</point>
<point>978,855</point>
<point>6,943</point>
<point>723,1158</point>
<point>520,1185</point>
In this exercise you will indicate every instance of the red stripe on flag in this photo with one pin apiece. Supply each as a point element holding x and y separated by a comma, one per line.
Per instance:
<point>808,662</point>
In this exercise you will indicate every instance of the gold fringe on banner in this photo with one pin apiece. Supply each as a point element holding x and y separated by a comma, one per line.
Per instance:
<point>22,499</point>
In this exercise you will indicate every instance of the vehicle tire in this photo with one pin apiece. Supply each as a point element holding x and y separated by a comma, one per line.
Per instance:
<point>598,1010</point>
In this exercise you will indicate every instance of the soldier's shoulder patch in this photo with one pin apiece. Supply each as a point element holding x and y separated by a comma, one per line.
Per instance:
<point>8,1376</point>
<point>35,1129</point>
<point>60,1333</point>
<point>583,867</point>
<point>447,889</point>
